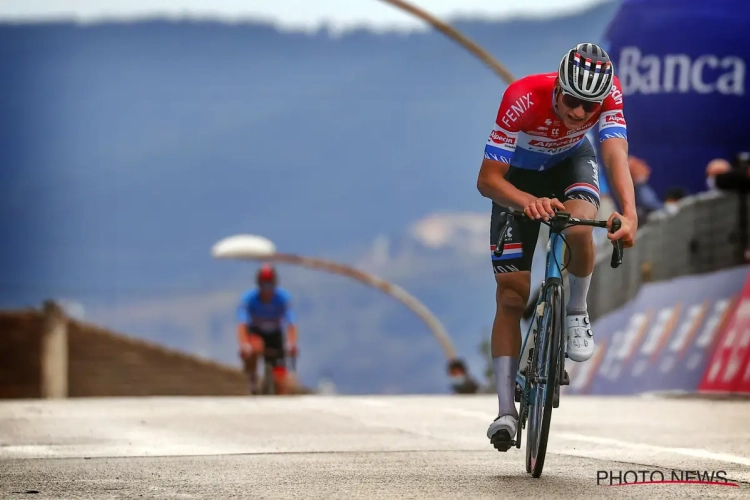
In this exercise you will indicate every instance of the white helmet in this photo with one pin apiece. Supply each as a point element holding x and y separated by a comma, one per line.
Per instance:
<point>586,72</point>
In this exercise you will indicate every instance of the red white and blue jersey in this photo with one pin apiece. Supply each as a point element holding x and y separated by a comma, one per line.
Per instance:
<point>529,134</point>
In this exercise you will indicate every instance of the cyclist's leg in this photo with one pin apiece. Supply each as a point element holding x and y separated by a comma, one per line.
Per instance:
<point>250,362</point>
<point>512,277</point>
<point>578,181</point>
<point>275,341</point>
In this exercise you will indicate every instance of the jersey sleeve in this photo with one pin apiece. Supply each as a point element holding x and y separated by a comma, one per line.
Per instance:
<point>612,120</point>
<point>504,136</point>
<point>243,309</point>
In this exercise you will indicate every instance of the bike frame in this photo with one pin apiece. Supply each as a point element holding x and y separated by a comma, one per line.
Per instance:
<point>552,273</point>
<point>552,279</point>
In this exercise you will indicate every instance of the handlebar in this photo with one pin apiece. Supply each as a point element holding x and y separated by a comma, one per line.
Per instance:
<point>557,224</point>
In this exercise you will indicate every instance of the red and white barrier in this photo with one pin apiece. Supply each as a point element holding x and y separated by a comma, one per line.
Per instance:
<point>729,369</point>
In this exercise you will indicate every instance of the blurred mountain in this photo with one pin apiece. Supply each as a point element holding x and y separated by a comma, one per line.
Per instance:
<point>127,150</point>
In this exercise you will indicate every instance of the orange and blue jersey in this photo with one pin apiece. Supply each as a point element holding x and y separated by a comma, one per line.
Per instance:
<point>266,316</point>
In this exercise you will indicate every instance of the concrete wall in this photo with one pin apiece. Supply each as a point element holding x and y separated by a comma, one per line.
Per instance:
<point>44,354</point>
<point>20,354</point>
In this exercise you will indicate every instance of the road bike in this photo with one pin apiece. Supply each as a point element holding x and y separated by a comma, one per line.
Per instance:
<point>538,383</point>
<point>268,383</point>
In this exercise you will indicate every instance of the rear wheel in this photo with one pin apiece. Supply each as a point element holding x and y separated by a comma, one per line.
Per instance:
<point>545,374</point>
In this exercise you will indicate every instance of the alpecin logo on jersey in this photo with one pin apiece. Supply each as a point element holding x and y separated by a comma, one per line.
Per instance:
<point>500,137</point>
<point>612,119</point>
<point>554,143</point>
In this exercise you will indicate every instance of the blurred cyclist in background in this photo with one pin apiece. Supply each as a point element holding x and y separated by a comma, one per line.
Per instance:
<point>263,313</point>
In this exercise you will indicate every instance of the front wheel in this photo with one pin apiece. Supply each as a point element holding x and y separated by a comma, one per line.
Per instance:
<point>545,370</point>
<point>268,387</point>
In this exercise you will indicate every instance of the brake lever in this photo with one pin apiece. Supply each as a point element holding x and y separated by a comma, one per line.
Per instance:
<point>617,250</point>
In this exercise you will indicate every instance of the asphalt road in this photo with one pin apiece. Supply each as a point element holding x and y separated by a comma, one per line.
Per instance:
<point>361,447</point>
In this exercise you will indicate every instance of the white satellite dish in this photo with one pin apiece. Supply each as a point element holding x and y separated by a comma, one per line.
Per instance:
<point>243,246</point>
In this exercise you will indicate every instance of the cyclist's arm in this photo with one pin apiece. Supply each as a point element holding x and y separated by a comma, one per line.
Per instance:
<point>290,320</point>
<point>291,334</point>
<point>242,334</point>
<point>613,136</point>
<point>499,149</point>
<point>243,319</point>
<point>492,184</point>
<point>615,156</point>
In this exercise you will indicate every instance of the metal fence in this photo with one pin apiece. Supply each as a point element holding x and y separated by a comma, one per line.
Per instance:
<point>702,236</point>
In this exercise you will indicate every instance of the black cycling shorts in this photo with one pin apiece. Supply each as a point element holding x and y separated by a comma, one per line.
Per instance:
<point>272,340</point>
<point>576,177</point>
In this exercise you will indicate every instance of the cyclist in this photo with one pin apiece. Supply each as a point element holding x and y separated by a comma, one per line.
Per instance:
<point>538,160</point>
<point>262,314</point>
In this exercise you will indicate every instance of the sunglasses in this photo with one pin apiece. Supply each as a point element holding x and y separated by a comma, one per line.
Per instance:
<point>573,102</point>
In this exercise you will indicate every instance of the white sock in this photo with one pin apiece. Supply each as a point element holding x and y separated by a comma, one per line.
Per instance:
<point>505,382</point>
<point>579,291</point>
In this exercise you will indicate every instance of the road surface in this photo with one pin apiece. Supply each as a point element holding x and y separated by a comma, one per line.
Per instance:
<point>361,447</point>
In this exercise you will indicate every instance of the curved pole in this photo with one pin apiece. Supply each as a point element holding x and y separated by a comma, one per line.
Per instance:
<point>457,36</point>
<point>395,291</point>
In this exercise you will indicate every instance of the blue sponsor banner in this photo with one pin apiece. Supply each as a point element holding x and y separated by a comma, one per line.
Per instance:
<point>680,341</point>
<point>583,375</point>
<point>627,339</point>
<point>685,80</point>
<point>663,339</point>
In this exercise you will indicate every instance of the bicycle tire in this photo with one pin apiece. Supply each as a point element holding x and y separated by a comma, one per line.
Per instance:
<point>547,354</point>
<point>267,388</point>
<point>525,411</point>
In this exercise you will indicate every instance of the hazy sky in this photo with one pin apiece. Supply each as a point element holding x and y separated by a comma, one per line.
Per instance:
<point>290,14</point>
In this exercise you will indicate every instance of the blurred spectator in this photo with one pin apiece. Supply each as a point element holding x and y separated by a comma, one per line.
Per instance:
<point>735,178</point>
<point>714,168</point>
<point>672,198</point>
<point>674,194</point>
<point>461,381</point>
<point>646,199</point>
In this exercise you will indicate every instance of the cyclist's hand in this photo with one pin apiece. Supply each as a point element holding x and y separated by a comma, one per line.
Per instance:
<point>626,233</point>
<point>543,208</point>
<point>246,350</point>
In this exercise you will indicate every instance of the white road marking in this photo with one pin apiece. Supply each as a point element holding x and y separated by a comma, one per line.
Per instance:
<point>690,452</point>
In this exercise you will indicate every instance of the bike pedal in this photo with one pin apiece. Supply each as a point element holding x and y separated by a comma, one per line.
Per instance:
<point>500,443</point>
<point>504,445</point>
<point>565,379</point>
